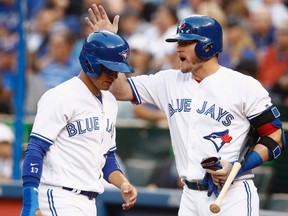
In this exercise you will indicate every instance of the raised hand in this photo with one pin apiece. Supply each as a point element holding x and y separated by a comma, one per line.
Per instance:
<point>98,19</point>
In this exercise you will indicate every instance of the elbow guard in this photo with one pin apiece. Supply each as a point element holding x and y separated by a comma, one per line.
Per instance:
<point>270,116</point>
<point>274,149</point>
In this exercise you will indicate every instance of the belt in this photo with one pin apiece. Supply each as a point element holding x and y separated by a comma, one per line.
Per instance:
<point>90,194</point>
<point>196,185</point>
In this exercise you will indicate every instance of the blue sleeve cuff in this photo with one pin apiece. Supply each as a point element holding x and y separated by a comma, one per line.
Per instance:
<point>30,181</point>
<point>110,165</point>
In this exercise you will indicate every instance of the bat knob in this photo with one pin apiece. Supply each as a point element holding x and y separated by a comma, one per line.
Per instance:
<point>214,208</point>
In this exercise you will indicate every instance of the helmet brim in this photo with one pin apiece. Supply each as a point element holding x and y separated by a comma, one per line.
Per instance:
<point>122,67</point>
<point>185,37</point>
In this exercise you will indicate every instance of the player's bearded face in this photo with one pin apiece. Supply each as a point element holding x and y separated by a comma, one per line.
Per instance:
<point>189,61</point>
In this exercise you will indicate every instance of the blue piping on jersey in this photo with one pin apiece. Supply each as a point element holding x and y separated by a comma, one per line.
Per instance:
<point>41,137</point>
<point>135,92</point>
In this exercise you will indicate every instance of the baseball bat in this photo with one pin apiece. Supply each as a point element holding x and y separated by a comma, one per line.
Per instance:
<point>249,142</point>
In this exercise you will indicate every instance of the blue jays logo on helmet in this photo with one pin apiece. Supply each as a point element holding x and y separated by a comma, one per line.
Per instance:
<point>181,26</point>
<point>184,28</point>
<point>219,139</point>
<point>125,54</point>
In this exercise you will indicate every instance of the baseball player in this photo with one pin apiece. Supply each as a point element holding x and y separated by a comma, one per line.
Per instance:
<point>72,143</point>
<point>209,109</point>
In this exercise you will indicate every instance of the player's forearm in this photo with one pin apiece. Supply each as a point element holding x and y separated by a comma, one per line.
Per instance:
<point>117,178</point>
<point>141,111</point>
<point>121,88</point>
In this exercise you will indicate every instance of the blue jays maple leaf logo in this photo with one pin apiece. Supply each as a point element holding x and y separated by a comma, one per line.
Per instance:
<point>219,139</point>
<point>184,28</point>
<point>124,54</point>
<point>181,25</point>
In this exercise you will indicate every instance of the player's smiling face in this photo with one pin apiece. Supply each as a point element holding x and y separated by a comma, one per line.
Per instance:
<point>189,61</point>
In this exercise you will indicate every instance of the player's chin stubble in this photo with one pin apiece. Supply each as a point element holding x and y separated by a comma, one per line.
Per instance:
<point>188,68</point>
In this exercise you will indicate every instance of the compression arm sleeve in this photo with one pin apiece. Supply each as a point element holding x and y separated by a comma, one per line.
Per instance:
<point>33,161</point>
<point>110,165</point>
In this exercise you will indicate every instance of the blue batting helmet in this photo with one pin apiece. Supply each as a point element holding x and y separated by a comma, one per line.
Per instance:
<point>203,29</point>
<point>107,49</point>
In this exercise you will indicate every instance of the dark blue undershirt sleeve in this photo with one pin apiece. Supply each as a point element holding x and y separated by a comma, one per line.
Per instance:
<point>33,161</point>
<point>110,165</point>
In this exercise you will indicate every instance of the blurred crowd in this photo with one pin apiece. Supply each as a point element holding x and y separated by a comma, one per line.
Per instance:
<point>7,138</point>
<point>255,43</point>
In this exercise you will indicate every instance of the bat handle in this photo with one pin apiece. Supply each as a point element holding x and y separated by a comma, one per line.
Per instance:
<point>216,206</point>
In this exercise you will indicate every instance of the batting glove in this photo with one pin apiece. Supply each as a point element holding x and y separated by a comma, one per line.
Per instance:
<point>212,188</point>
<point>30,201</point>
<point>214,164</point>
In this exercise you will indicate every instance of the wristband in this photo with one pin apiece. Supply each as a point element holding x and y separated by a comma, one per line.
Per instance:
<point>253,160</point>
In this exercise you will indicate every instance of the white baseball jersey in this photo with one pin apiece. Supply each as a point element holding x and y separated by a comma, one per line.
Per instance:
<point>82,130</point>
<point>205,119</point>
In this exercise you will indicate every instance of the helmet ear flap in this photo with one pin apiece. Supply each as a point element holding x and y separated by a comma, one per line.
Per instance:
<point>92,70</point>
<point>204,50</point>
